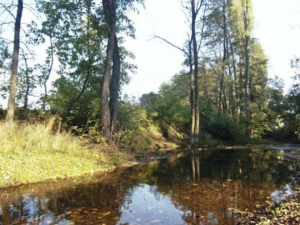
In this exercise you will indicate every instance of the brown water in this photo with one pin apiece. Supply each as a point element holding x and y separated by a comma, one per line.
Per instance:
<point>203,189</point>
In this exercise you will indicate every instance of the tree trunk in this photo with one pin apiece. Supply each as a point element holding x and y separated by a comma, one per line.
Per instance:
<point>223,62</point>
<point>196,75</point>
<point>14,67</point>
<point>192,96</point>
<point>25,107</point>
<point>247,53</point>
<point>49,72</point>
<point>115,85</point>
<point>110,17</point>
<point>241,93</point>
<point>235,83</point>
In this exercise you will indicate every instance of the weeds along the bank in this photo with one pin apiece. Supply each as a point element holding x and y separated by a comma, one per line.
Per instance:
<point>33,153</point>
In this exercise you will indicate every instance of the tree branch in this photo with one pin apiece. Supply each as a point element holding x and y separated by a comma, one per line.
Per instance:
<point>168,42</point>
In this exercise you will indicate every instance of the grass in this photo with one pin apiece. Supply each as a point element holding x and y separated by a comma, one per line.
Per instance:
<point>33,153</point>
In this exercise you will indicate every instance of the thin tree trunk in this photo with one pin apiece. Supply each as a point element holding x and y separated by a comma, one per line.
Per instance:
<point>14,67</point>
<point>110,17</point>
<point>25,107</point>
<point>196,75</point>
<point>189,54</point>
<point>235,82</point>
<point>115,85</point>
<point>223,62</point>
<point>49,72</point>
<point>192,96</point>
<point>221,86</point>
<point>247,52</point>
<point>241,93</point>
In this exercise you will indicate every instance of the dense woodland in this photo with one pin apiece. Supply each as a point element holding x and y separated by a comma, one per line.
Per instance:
<point>222,93</point>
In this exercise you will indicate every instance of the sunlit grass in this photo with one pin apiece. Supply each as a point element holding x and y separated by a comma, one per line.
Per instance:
<point>33,153</point>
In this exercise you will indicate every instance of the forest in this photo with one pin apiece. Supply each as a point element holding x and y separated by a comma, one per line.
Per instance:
<point>222,94</point>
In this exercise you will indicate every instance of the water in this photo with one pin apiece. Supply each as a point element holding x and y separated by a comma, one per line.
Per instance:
<point>204,189</point>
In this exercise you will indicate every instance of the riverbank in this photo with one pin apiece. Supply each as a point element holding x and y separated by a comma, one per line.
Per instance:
<point>32,153</point>
<point>35,153</point>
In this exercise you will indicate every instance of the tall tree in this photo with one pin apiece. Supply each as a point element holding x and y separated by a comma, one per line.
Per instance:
<point>14,67</point>
<point>109,7</point>
<point>194,13</point>
<point>191,51</point>
<point>242,23</point>
<point>247,33</point>
<point>114,11</point>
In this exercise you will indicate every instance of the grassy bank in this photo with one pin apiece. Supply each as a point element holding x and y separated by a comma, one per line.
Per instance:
<point>33,153</point>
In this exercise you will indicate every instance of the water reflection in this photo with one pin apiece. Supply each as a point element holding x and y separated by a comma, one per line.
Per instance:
<point>196,168</point>
<point>201,189</point>
<point>147,206</point>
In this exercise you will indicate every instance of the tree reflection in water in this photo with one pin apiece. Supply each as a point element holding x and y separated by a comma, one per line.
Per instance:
<point>207,188</point>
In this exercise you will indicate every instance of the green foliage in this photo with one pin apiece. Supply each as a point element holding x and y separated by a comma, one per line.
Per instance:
<point>171,104</point>
<point>292,114</point>
<point>132,122</point>
<point>226,129</point>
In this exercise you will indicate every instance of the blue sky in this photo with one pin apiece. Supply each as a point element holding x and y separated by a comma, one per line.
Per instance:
<point>277,26</point>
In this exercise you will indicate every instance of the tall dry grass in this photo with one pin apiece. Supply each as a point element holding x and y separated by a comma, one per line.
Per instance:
<point>34,153</point>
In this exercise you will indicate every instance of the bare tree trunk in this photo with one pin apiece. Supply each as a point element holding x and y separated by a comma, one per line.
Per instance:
<point>221,91</point>
<point>192,96</point>
<point>247,52</point>
<point>235,84</point>
<point>196,75</point>
<point>189,54</point>
<point>14,67</point>
<point>110,17</point>
<point>25,107</point>
<point>115,85</point>
<point>49,72</point>
<point>241,94</point>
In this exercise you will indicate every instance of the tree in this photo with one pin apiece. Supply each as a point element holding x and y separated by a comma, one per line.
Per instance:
<point>109,7</point>
<point>26,81</point>
<point>242,19</point>
<point>191,51</point>
<point>195,80</point>
<point>14,67</point>
<point>109,92</point>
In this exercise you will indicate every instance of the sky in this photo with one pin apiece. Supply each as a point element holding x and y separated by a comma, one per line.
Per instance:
<point>277,27</point>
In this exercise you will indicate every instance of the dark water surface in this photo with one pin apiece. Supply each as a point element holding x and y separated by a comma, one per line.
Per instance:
<point>203,189</point>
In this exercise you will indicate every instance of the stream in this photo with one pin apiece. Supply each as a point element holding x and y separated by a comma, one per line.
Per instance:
<point>208,188</point>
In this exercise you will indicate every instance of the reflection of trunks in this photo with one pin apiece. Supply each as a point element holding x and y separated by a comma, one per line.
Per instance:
<point>196,168</point>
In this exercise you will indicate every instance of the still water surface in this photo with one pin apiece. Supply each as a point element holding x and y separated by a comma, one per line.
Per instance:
<point>184,189</point>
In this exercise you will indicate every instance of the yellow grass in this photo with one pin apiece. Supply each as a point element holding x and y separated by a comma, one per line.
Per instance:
<point>32,153</point>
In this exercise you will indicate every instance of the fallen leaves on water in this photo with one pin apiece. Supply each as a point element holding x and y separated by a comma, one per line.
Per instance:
<point>287,212</point>
<point>86,215</point>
